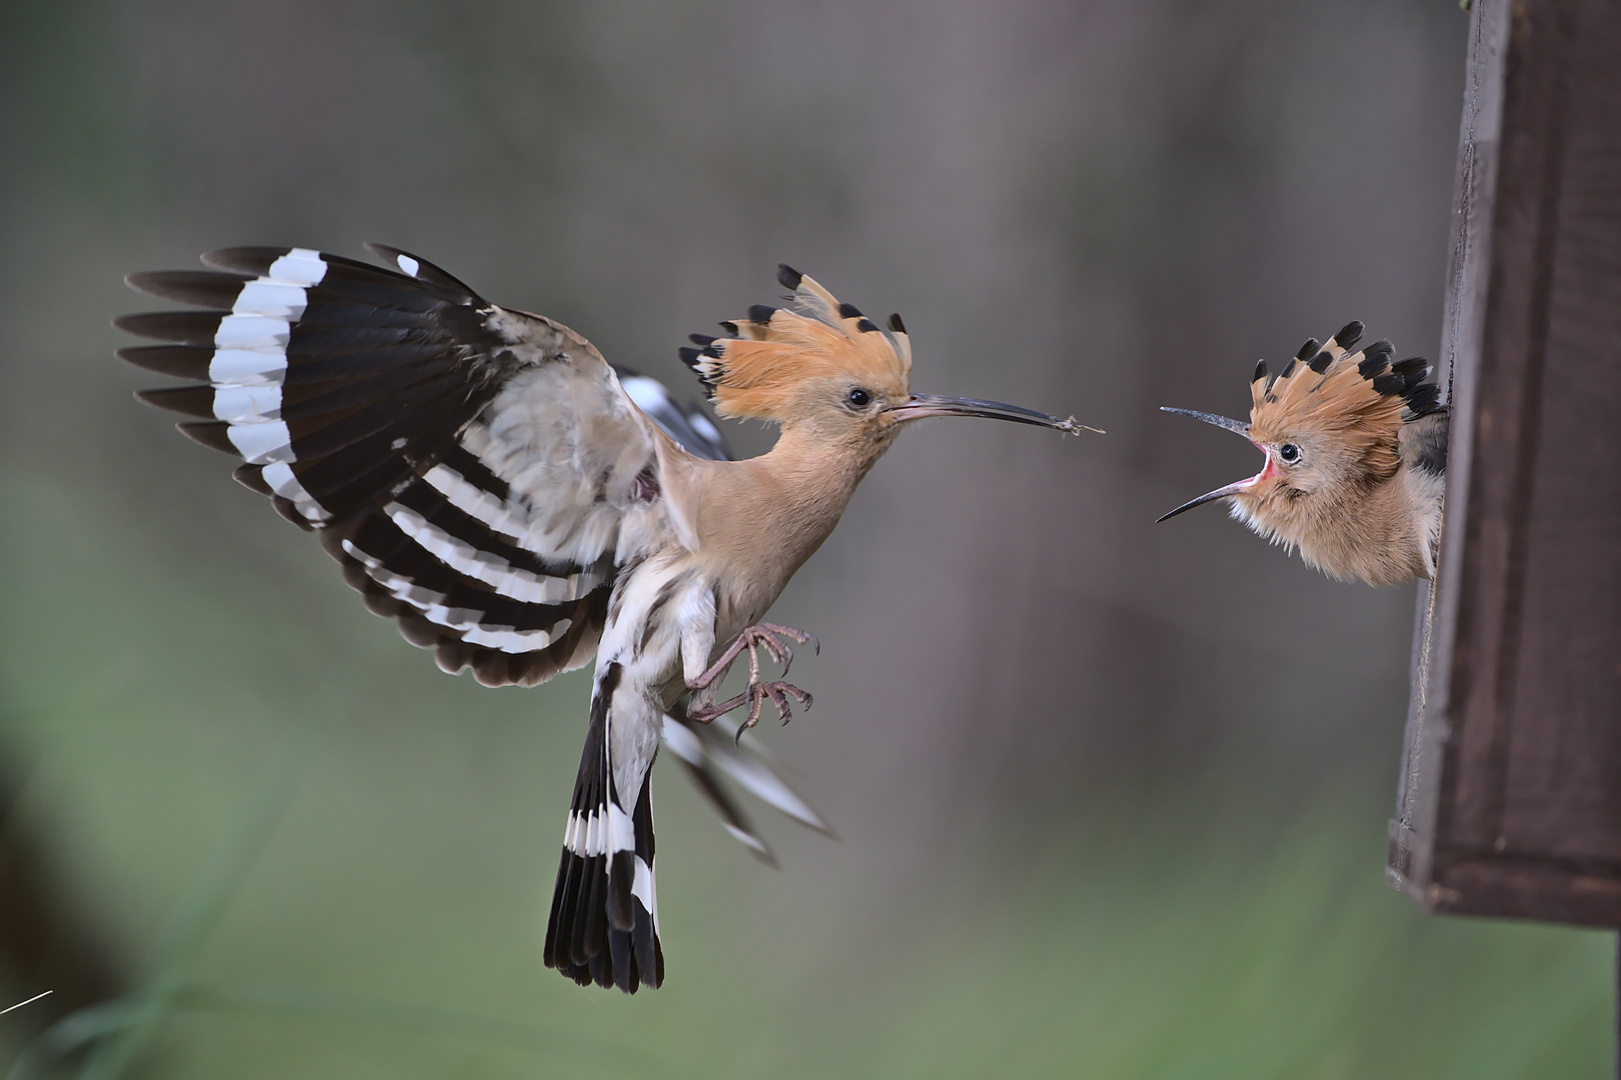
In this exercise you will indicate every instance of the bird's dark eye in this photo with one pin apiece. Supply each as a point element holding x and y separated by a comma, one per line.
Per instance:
<point>1289,453</point>
<point>858,398</point>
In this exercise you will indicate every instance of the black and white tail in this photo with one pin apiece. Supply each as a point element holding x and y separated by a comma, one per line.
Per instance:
<point>604,919</point>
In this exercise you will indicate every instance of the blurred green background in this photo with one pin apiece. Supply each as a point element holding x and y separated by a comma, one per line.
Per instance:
<point>1112,796</point>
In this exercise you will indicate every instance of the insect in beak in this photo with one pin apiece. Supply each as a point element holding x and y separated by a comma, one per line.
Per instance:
<point>918,406</point>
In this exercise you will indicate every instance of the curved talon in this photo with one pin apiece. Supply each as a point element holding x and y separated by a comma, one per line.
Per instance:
<point>801,636</point>
<point>784,712</point>
<point>779,696</point>
<point>757,696</point>
<point>779,652</point>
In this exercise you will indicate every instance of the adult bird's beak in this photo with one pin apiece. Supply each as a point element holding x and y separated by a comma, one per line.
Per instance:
<point>1238,488</point>
<point>918,406</point>
<point>1211,418</point>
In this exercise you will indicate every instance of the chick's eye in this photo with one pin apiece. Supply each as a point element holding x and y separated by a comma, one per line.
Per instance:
<point>1289,452</point>
<point>858,398</point>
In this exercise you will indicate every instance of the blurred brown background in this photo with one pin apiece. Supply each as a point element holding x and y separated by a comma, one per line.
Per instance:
<point>1112,795</point>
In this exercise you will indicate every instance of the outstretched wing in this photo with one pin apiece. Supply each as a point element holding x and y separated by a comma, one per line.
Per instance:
<point>479,472</point>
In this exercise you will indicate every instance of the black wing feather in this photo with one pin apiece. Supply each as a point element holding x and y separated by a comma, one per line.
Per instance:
<point>343,385</point>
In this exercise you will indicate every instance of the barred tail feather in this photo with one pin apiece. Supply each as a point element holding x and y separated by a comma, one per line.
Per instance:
<point>603,927</point>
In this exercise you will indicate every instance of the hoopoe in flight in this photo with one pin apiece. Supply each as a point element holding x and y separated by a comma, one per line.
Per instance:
<point>488,480</point>
<point>1355,469</point>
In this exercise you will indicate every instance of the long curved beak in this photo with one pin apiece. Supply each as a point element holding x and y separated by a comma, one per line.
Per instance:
<point>1238,427</point>
<point>918,406</point>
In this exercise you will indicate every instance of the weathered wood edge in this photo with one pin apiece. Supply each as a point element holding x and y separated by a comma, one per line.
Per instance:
<point>1412,830</point>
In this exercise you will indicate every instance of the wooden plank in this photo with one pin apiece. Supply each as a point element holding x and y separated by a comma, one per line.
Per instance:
<point>1474,195</point>
<point>1510,798</point>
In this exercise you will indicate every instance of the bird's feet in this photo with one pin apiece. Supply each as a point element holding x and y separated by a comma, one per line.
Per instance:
<point>767,636</point>
<point>755,695</point>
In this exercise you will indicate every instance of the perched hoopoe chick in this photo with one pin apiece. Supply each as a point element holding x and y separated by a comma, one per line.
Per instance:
<point>488,480</point>
<point>1355,467</point>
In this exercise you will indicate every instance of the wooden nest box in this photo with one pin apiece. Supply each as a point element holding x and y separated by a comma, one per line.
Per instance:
<point>1510,794</point>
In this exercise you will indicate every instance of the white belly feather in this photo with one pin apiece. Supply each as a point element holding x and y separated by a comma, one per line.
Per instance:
<point>661,625</point>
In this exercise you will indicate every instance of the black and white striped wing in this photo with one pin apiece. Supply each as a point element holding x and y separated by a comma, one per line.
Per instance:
<point>479,472</point>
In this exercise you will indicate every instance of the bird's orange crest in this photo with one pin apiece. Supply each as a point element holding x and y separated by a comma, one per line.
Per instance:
<point>1357,398</point>
<point>753,371</point>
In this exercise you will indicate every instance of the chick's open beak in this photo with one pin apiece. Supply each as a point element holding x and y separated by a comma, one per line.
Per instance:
<point>1237,488</point>
<point>918,406</point>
